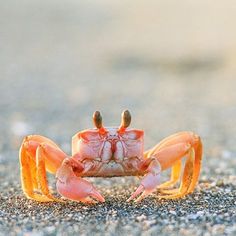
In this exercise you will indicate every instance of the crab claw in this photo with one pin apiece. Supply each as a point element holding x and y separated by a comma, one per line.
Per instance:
<point>75,188</point>
<point>147,186</point>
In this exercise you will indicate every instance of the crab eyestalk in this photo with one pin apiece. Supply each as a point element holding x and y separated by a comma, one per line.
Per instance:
<point>97,120</point>
<point>125,120</point>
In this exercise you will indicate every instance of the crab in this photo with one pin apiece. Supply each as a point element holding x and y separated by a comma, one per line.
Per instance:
<point>109,152</point>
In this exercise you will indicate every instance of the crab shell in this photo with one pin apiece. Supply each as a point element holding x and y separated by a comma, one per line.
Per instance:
<point>111,149</point>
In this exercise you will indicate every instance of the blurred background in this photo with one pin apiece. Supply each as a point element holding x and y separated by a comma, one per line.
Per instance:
<point>171,64</point>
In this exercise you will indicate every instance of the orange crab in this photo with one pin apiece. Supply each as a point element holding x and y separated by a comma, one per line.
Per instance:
<point>109,152</point>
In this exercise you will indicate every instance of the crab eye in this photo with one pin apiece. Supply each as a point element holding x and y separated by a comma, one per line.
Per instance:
<point>125,119</point>
<point>97,119</point>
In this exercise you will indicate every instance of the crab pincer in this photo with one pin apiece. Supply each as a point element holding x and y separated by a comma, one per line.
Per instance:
<point>75,188</point>
<point>150,181</point>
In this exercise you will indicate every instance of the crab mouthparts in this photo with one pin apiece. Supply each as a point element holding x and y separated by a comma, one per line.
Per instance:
<point>113,145</point>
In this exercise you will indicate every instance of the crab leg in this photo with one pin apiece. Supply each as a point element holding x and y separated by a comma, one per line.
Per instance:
<point>32,159</point>
<point>45,152</point>
<point>26,179</point>
<point>197,153</point>
<point>185,136</point>
<point>197,164</point>
<point>162,160</point>
<point>193,162</point>
<point>33,172</point>
<point>175,175</point>
<point>186,179</point>
<point>168,153</point>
